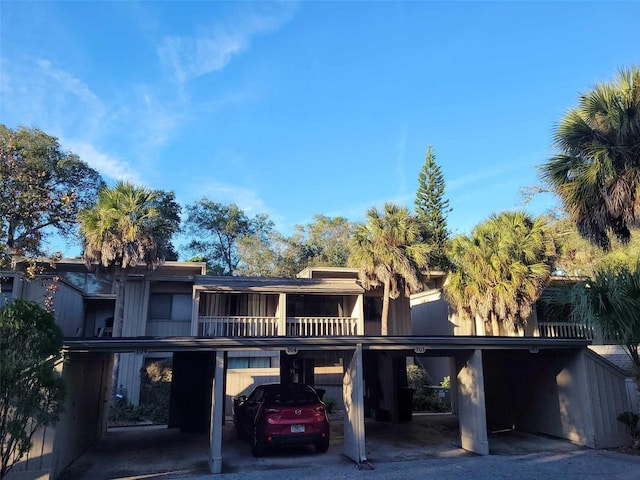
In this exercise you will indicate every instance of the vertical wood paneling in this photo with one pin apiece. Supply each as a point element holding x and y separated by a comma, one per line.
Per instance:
<point>607,388</point>
<point>242,381</point>
<point>134,326</point>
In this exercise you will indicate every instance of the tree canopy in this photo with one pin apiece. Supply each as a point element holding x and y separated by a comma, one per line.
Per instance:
<point>31,392</point>
<point>42,188</point>
<point>432,208</point>
<point>126,227</point>
<point>389,252</point>
<point>499,271</point>
<point>609,302</point>
<point>215,229</point>
<point>596,173</point>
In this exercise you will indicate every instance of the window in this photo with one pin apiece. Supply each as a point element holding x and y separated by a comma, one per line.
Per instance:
<point>249,362</point>
<point>166,306</point>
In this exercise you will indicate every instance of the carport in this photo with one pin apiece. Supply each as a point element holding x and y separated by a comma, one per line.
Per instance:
<point>551,386</point>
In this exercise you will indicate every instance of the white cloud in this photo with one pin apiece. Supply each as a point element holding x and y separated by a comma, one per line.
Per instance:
<point>106,164</point>
<point>211,50</point>
<point>247,199</point>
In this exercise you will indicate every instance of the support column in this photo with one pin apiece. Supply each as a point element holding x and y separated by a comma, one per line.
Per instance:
<point>217,415</point>
<point>353,395</point>
<point>472,413</point>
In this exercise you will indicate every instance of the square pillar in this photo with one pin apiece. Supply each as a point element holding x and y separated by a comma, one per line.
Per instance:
<point>472,412</point>
<point>217,414</point>
<point>353,395</point>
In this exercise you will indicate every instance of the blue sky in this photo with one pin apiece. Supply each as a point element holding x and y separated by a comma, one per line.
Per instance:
<point>301,108</point>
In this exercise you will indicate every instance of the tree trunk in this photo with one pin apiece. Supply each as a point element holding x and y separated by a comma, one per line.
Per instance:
<point>384,320</point>
<point>495,325</point>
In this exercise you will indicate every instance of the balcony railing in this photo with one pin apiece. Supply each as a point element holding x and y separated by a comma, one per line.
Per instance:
<point>565,330</point>
<point>321,326</point>
<point>237,326</point>
<point>240,326</point>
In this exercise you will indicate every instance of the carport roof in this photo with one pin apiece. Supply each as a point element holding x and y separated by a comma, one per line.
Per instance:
<point>419,345</point>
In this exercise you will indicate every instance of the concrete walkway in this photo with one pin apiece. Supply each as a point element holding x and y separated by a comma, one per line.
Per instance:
<point>428,445</point>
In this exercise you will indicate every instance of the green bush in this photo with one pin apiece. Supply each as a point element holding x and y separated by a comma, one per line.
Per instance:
<point>424,398</point>
<point>155,392</point>
<point>329,404</point>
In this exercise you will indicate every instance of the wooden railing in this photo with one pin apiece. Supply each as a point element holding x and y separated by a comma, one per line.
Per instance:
<point>240,326</point>
<point>321,326</point>
<point>565,330</point>
<point>237,326</point>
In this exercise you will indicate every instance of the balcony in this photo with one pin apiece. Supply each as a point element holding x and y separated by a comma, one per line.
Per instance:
<point>244,326</point>
<point>565,330</point>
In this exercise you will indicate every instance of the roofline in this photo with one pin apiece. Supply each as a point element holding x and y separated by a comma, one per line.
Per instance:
<point>415,343</point>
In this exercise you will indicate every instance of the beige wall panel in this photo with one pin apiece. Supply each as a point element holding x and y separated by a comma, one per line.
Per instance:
<point>168,328</point>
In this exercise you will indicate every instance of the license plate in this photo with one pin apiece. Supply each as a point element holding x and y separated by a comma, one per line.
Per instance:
<point>297,428</point>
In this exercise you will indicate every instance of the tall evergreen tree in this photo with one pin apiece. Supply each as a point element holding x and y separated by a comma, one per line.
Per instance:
<point>432,208</point>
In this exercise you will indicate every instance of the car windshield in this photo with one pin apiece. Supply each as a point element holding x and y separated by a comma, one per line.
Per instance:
<point>292,398</point>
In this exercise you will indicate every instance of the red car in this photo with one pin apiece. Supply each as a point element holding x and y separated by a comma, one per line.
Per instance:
<point>278,415</point>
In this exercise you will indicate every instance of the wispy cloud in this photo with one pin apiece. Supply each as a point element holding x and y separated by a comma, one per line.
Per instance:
<point>106,164</point>
<point>211,50</point>
<point>246,198</point>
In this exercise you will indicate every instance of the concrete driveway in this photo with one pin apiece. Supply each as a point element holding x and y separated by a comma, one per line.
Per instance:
<point>160,453</point>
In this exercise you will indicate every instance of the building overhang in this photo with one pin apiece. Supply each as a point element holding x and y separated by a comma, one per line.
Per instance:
<point>444,346</point>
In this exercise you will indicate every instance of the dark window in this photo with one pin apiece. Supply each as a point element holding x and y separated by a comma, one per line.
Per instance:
<point>249,362</point>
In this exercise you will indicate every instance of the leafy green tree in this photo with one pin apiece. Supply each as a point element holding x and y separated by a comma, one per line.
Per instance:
<point>31,392</point>
<point>169,210</point>
<point>42,188</point>
<point>324,242</point>
<point>432,208</point>
<point>389,252</point>
<point>215,230</point>
<point>596,173</point>
<point>123,229</point>
<point>500,270</point>
<point>260,250</point>
<point>576,256</point>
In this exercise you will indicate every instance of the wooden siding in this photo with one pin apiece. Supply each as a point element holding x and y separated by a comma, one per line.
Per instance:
<point>243,380</point>
<point>168,328</point>
<point>609,397</point>
<point>135,314</point>
<point>67,305</point>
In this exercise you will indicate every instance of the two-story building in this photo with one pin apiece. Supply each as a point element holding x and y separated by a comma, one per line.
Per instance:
<point>322,328</point>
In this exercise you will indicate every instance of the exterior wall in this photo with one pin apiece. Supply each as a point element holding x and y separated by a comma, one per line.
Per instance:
<point>67,304</point>
<point>241,381</point>
<point>135,315</point>
<point>576,395</point>
<point>87,378</point>
<point>609,397</point>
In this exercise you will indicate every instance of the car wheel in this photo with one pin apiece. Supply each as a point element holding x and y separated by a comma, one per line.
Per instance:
<point>322,446</point>
<point>256,449</point>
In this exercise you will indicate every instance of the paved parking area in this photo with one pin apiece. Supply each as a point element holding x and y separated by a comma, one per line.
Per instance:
<point>160,453</point>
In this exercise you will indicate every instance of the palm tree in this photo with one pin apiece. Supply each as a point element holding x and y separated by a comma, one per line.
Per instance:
<point>388,251</point>
<point>499,271</point>
<point>597,172</point>
<point>609,302</point>
<point>121,231</point>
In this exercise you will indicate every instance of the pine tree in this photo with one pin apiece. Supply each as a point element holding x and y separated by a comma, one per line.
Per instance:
<point>431,208</point>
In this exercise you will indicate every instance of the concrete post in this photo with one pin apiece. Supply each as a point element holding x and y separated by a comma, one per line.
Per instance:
<point>472,413</point>
<point>217,415</point>
<point>353,395</point>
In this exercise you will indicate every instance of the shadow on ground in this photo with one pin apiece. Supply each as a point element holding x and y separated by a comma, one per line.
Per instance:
<point>156,453</point>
